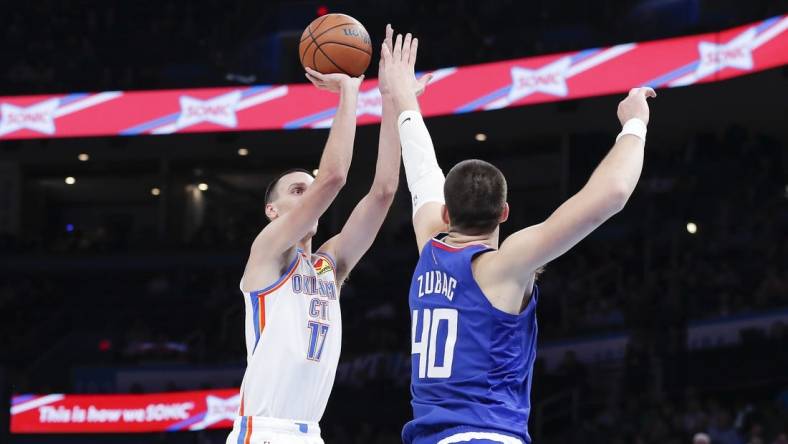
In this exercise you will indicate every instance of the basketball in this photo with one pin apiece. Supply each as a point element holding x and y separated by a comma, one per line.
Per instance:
<point>336,43</point>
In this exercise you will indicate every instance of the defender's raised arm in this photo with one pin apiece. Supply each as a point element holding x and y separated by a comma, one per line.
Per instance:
<point>424,175</point>
<point>604,195</point>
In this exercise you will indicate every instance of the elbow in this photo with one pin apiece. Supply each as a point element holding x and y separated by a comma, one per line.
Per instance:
<point>617,198</point>
<point>384,193</point>
<point>333,180</point>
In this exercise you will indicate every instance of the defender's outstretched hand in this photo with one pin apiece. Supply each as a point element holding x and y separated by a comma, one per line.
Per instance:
<point>333,82</point>
<point>634,106</point>
<point>398,72</point>
<point>418,85</point>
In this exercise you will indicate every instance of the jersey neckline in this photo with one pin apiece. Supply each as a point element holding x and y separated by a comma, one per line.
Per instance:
<point>437,242</point>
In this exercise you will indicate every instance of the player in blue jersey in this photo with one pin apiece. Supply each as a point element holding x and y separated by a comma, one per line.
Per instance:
<point>473,301</point>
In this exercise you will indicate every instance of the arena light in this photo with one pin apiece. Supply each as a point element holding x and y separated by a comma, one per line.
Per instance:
<point>203,186</point>
<point>692,227</point>
<point>243,152</point>
<point>83,157</point>
<point>70,180</point>
<point>481,137</point>
<point>314,172</point>
<point>155,191</point>
<point>105,345</point>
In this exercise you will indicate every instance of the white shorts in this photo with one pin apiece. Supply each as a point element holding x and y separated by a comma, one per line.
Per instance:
<point>261,430</point>
<point>479,437</point>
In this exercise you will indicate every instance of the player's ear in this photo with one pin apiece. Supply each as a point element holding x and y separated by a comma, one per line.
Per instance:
<point>504,213</point>
<point>270,211</point>
<point>445,215</point>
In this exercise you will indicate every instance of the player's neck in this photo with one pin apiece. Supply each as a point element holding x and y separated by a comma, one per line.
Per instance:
<point>458,239</point>
<point>305,245</point>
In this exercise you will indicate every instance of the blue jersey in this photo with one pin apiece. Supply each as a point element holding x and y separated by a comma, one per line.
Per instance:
<point>471,364</point>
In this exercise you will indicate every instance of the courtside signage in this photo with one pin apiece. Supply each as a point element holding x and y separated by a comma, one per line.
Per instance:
<point>160,412</point>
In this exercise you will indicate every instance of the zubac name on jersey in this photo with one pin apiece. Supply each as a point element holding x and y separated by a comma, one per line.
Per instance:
<point>437,282</point>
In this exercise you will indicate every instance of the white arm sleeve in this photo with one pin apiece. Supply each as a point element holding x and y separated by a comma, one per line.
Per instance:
<point>425,177</point>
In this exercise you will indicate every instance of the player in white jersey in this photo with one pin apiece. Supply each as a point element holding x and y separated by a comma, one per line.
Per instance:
<point>293,320</point>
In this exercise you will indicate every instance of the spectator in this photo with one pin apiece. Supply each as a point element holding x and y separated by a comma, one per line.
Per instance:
<point>701,438</point>
<point>722,431</point>
<point>571,372</point>
<point>694,417</point>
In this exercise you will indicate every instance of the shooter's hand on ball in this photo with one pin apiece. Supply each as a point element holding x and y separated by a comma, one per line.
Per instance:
<point>333,82</point>
<point>418,85</point>
<point>634,106</point>
<point>398,72</point>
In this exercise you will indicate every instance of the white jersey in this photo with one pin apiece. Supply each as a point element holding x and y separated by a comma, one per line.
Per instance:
<point>293,340</point>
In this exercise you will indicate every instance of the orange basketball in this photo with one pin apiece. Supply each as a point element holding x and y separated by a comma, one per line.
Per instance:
<point>336,43</point>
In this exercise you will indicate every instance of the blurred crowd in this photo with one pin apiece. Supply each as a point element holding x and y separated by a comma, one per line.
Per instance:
<point>642,271</point>
<point>108,298</point>
<point>692,421</point>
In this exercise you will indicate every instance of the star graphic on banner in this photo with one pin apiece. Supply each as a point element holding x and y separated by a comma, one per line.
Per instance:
<point>737,53</point>
<point>549,79</point>
<point>218,410</point>
<point>39,117</point>
<point>370,102</point>
<point>219,110</point>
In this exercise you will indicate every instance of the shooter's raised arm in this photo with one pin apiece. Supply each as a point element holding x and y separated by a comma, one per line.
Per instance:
<point>286,230</point>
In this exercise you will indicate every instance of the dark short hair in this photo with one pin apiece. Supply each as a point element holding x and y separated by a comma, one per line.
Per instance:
<point>475,193</point>
<point>270,190</point>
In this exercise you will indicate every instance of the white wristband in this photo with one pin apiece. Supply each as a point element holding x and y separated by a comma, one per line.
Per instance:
<point>633,126</point>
